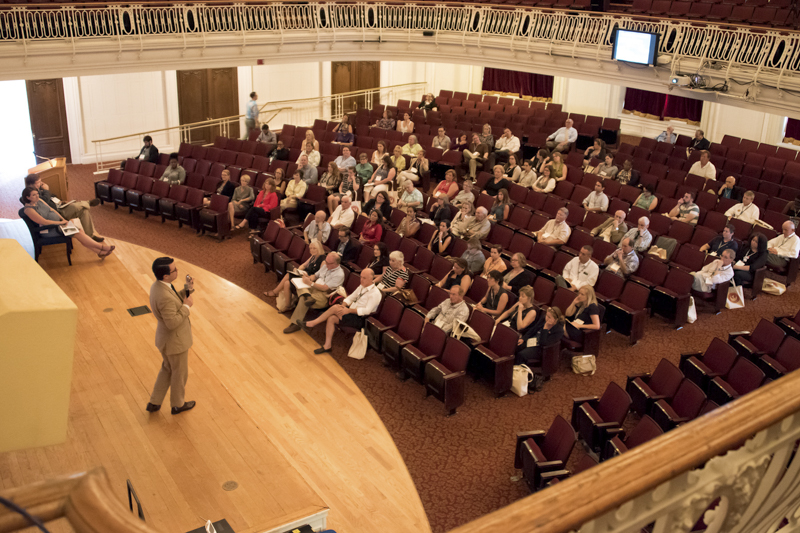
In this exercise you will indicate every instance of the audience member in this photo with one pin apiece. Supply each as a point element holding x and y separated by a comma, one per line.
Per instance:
<point>495,261</point>
<point>441,140</point>
<point>546,183</point>
<point>783,247</point>
<point>225,187</point>
<point>344,138</point>
<point>448,187</point>
<point>557,166</point>
<point>495,300</point>
<point>266,136</point>
<point>704,168</point>
<point>716,272</point>
<point>668,136</point>
<point>345,160</point>
<point>363,169</point>
<point>613,229</point>
<point>752,257</point>
<point>459,275</point>
<point>607,169</point>
<point>149,152</point>
<point>537,339</point>
<point>411,197</point>
<point>500,207</point>
<point>381,149</point>
<point>280,153</point>
<point>318,229</point>
<point>386,122</point>
<point>462,143</point>
<point>381,178</point>
<point>647,200</point>
<point>582,315</point>
<point>312,155</point>
<point>380,202</point>
<point>174,174</point>
<point>628,176</point>
<point>442,241</point>
<point>476,152</point>
<point>486,136</point>
<point>419,165</point>
<point>372,231</point>
<point>792,209</point>
<point>730,190</point>
<point>310,267</point>
<point>428,103</point>
<point>512,170</point>
<point>345,247</point>
<point>309,138</point>
<point>309,173</point>
<point>541,160</point>
<point>405,125</point>
<point>640,236</point>
<point>410,225</point>
<point>518,276</point>
<point>522,315</point>
<point>349,186</point>
<point>398,160</point>
<point>596,151</point>
<point>251,116</point>
<point>562,138</point>
<point>266,201</point>
<point>446,313</point>
<point>497,182</point>
<point>746,211</point>
<point>412,147</point>
<point>295,189</point>
<point>396,275</point>
<point>328,278</point>
<point>343,216</point>
<point>463,219</point>
<point>344,126</point>
<point>473,255</point>
<point>556,231</point>
<point>466,195</point>
<point>527,178</point>
<point>698,143</point>
<point>723,242</point>
<point>77,209</point>
<point>580,271</point>
<point>686,210</point>
<point>479,226</point>
<point>504,147</point>
<point>331,179</point>
<point>441,210</point>
<point>623,261</point>
<point>597,201</point>
<point>242,200</point>
<point>380,261</point>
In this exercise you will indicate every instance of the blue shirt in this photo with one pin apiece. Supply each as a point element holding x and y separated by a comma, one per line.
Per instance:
<point>252,110</point>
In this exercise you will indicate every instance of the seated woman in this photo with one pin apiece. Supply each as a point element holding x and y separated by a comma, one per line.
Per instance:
<point>266,201</point>
<point>442,241</point>
<point>557,166</point>
<point>497,182</point>
<point>344,126</point>
<point>396,275</point>
<point>381,149</point>
<point>628,176</point>
<point>517,277</point>
<point>242,200</point>
<point>349,186</point>
<point>418,165</point>
<point>546,183</point>
<point>447,187</point>
<point>607,169</point>
<point>541,160</point>
<point>646,200</point>
<point>280,180</point>
<point>463,219</point>
<point>398,160</point>
<point>458,275</point>
<point>501,206</point>
<point>225,187</point>
<point>381,179</point>
<point>428,103</point>
<point>582,315</point>
<point>386,122</point>
<point>596,151</point>
<point>412,147</point>
<point>496,300</point>
<point>380,261</point>
<point>363,168</point>
<point>750,259</point>
<point>511,169</point>
<point>528,176</point>
<point>494,262</point>
<point>473,255</point>
<point>405,125</point>
<point>310,267</point>
<point>295,189</point>
<point>410,225</point>
<point>310,138</point>
<point>40,213</point>
<point>381,203</point>
<point>441,210</point>
<point>462,143</point>
<point>372,231</point>
<point>536,339</point>
<point>313,156</point>
<point>522,314</point>
<point>331,179</point>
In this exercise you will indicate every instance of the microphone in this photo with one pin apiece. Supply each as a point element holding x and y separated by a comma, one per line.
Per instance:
<point>188,285</point>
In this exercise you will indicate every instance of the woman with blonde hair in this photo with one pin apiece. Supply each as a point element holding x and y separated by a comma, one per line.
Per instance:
<point>242,200</point>
<point>398,160</point>
<point>463,219</point>
<point>522,314</point>
<point>486,136</point>
<point>557,166</point>
<point>582,314</point>
<point>517,277</point>
<point>310,267</point>
<point>310,139</point>
<point>537,338</point>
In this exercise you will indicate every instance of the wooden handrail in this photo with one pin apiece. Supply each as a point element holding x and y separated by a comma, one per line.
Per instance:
<point>569,504</point>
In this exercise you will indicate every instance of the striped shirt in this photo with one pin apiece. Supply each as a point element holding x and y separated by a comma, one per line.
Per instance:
<point>391,275</point>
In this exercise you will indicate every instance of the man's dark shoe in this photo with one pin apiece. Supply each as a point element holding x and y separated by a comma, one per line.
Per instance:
<point>185,407</point>
<point>152,408</point>
<point>94,202</point>
<point>292,328</point>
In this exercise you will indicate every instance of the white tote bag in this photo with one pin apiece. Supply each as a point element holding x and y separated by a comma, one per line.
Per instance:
<point>519,382</point>
<point>773,287</point>
<point>691,315</point>
<point>462,330</point>
<point>735,298</point>
<point>585,365</point>
<point>358,350</point>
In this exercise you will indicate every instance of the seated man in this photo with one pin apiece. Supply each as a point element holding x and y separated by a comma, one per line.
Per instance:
<point>328,278</point>
<point>266,136</point>
<point>309,173</point>
<point>343,216</point>
<point>475,153</point>
<point>686,210</point>
<point>597,201</point>
<point>412,147</point>
<point>628,176</point>
<point>704,167</point>
<point>698,143</point>
<point>345,247</point>
<point>313,156</point>
<point>716,272</point>
<point>352,312</point>
<point>345,160</point>
<point>562,137</point>
<point>344,137</point>
<point>446,313</point>
<point>363,169</point>
<point>783,247</point>
<point>479,226</point>
<point>319,229</point>
<point>613,229</point>
<point>723,242</point>
<point>579,271</point>
<point>668,136</point>
<point>556,231</point>
<point>746,211</point>
<point>623,261</point>
<point>76,209</point>
<point>174,174</point>
<point>441,140</point>
<point>730,190</point>
<point>507,145</point>
<point>148,152</point>
<point>465,196</point>
<point>280,153</point>
<point>411,197</point>
<point>640,236</point>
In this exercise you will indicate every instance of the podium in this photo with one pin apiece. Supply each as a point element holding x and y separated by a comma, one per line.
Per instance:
<point>54,174</point>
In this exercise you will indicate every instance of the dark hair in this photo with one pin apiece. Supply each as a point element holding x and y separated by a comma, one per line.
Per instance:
<point>173,155</point>
<point>346,231</point>
<point>253,94</point>
<point>298,171</point>
<point>26,194</point>
<point>161,267</point>
<point>377,212</point>
<point>603,185</point>
<point>648,187</point>
<point>30,179</point>
<point>445,221</point>
<point>731,228</point>
<point>384,250</point>
<point>265,127</point>
<point>498,247</point>
<point>147,138</point>
<point>543,152</point>
<point>460,261</point>
<point>690,193</point>
<point>762,242</point>
<point>385,197</point>
<point>387,160</point>
<point>496,275</point>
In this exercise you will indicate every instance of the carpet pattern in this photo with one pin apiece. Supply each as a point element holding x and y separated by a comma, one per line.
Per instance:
<point>461,465</point>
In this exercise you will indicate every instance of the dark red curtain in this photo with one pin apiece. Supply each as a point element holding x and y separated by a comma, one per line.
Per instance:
<point>793,128</point>
<point>663,105</point>
<point>510,81</point>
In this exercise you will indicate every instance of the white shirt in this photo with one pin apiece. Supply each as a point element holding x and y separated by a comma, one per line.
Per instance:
<point>747,213</point>
<point>563,134</point>
<point>365,299</point>
<point>343,217</point>
<point>595,200</point>
<point>313,158</point>
<point>581,274</point>
<point>507,144</point>
<point>708,172</point>
<point>786,247</point>
<point>714,273</point>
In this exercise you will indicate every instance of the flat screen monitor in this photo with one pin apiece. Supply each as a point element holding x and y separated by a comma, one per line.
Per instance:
<point>635,47</point>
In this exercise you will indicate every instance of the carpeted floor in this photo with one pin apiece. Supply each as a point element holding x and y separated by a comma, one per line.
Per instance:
<point>462,464</point>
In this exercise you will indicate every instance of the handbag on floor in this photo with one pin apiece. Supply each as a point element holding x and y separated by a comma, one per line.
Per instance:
<point>407,296</point>
<point>735,298</point>
<point>358,350</point>
<point>519,381</point>
<point>585,365</point>
<point>691,314</point>
<point>773,287</point>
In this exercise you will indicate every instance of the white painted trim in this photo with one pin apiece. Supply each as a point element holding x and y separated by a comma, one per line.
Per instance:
<point>74,111</point>
<point>318,521</point>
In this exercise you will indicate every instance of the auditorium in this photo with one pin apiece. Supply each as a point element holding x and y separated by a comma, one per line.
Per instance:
<point>345,267</point>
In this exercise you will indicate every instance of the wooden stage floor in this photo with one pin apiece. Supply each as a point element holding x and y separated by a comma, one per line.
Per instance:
<point>290,427</point>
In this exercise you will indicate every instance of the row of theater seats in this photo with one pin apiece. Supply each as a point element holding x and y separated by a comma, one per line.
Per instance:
<point>775,13</point>
<point>664,399</point>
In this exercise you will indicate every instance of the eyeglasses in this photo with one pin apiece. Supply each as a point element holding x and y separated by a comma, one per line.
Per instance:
<point>173,271</point>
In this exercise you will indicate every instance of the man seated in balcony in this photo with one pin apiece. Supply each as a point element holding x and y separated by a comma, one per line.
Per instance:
<point>479,226</point>
<point>328,278</point>
<point>343,216</point>
<point>441,140</point>
<point>716,272</point>
<point>466,195</point>
<point>318,229</point>
<point>783,247</point>
<point>698,143</point>
<point>266,136</point>
<point>280,153</point>
<point>597,201</point>
<point>704,168</point>
<point>686,210</point>
<point>310,175</point>
<point>411,197</point>
<point>312,155</point>
<point>746,211</point>
<point>149,152</point>
<point>446,313</point>
<point>640,236</point>
<point>668,136</point>
<point>345,160</point>
<point>623,261</point>
<point>174,174</point>
<point>613,229</point>
<point>563,137</point>
<point>77,209</point>
<point>730,190</point>
<point>345,138</point>
<point>504,147</point>
<point>723,242</point>
<point>475,153</point>
<point>579,271</point>
<point>556,231</point>
<point>628,176</point>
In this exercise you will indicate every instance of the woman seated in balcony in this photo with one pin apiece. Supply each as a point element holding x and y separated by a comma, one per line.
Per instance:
<point>398,160</point>
<point>646,200</point>
<point>381,203</point>
<point>495,262</point>
<point>410,225</point>
<point>419,165</point>
<point>225,187</point>
<point>380,261</point>
<point>442,241</point>
<point>486,136</point>
<point>381,179</point>
<point>582,315</point>
<point>541,160</point>
<point>557,166</point>
<point>441,210</point>
<point>428,103</point>
<point>310,139</point>
<point>548,333</point>
<point>344,126</point>
<point>280,180</point>
<point>500,207</point>
<point>386,122</point>
<point>458,275</point>
<point>40,213</point>
<point>596,151</point>
<point>295,189</point>
<point>448,186</point>
<point>511,169</point>
<point>405,125</point>
<point>750,259</point>
<point>462,143</point>
<point>546,183</point>
<point>349,186</point>
<point>266,201</point>
<point>331,179</point>
<point>607,169</point>
<point>463,219</point>
<point>495,301</point>
<point>522,314</point>
<point>473,255</point>
<point>628,176</point>
<point>313,156</point>
<point>527,177</point>
<point>498,181</point>
<point>242,200</point>
<point>381,149</point>
<point>373,230</point>
<point>310,267</point>
<point>517,277</point>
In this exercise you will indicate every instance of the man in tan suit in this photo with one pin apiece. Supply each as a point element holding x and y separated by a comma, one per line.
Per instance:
<point>173,336</point>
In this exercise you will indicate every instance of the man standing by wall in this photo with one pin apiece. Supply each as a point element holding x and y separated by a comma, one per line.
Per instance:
<point>251,116</point>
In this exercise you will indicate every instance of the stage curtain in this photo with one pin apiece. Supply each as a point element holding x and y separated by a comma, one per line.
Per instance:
<point>682,108</point>
<point>523,83</point>
<point>645,102</point>
<point>662,105</point>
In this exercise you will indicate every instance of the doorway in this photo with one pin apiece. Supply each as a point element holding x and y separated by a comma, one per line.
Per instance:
<point>348,76</point>
<point>16,143</point>
<point>48,119</point>
<point>206,94</point>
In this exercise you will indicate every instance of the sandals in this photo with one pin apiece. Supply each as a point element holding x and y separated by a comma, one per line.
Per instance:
<point>270,294</point>
<point>105,253</point>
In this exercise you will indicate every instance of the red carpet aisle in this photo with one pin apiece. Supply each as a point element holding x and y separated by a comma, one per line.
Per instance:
<point>461,465</point>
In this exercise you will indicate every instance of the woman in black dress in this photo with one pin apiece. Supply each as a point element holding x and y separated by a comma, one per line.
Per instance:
<point>496,299</point>
<point>550,332</point>
<point>522,315</point>
<point>517,277</point>
<point>750,259</point>
<point>458,275</point>
<point>582,314</point>
<point>442,241</point>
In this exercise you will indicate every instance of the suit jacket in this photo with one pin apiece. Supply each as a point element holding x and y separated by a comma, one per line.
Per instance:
<point>351,251</point>
<point>153,153</point>
<point>617,235</point>
<point>174,330</point>
<point>228,189</point>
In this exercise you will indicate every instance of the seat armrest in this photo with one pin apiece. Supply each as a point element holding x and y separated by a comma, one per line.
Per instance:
<point>522,436</point>
<point>667,292</point>
<point>644,377</point>
<point>586,399</point>
<point>546,466</point>
<point>733,334</point>
<point>553,476</point>
<point>772,368</point>
<point>687,355</point>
